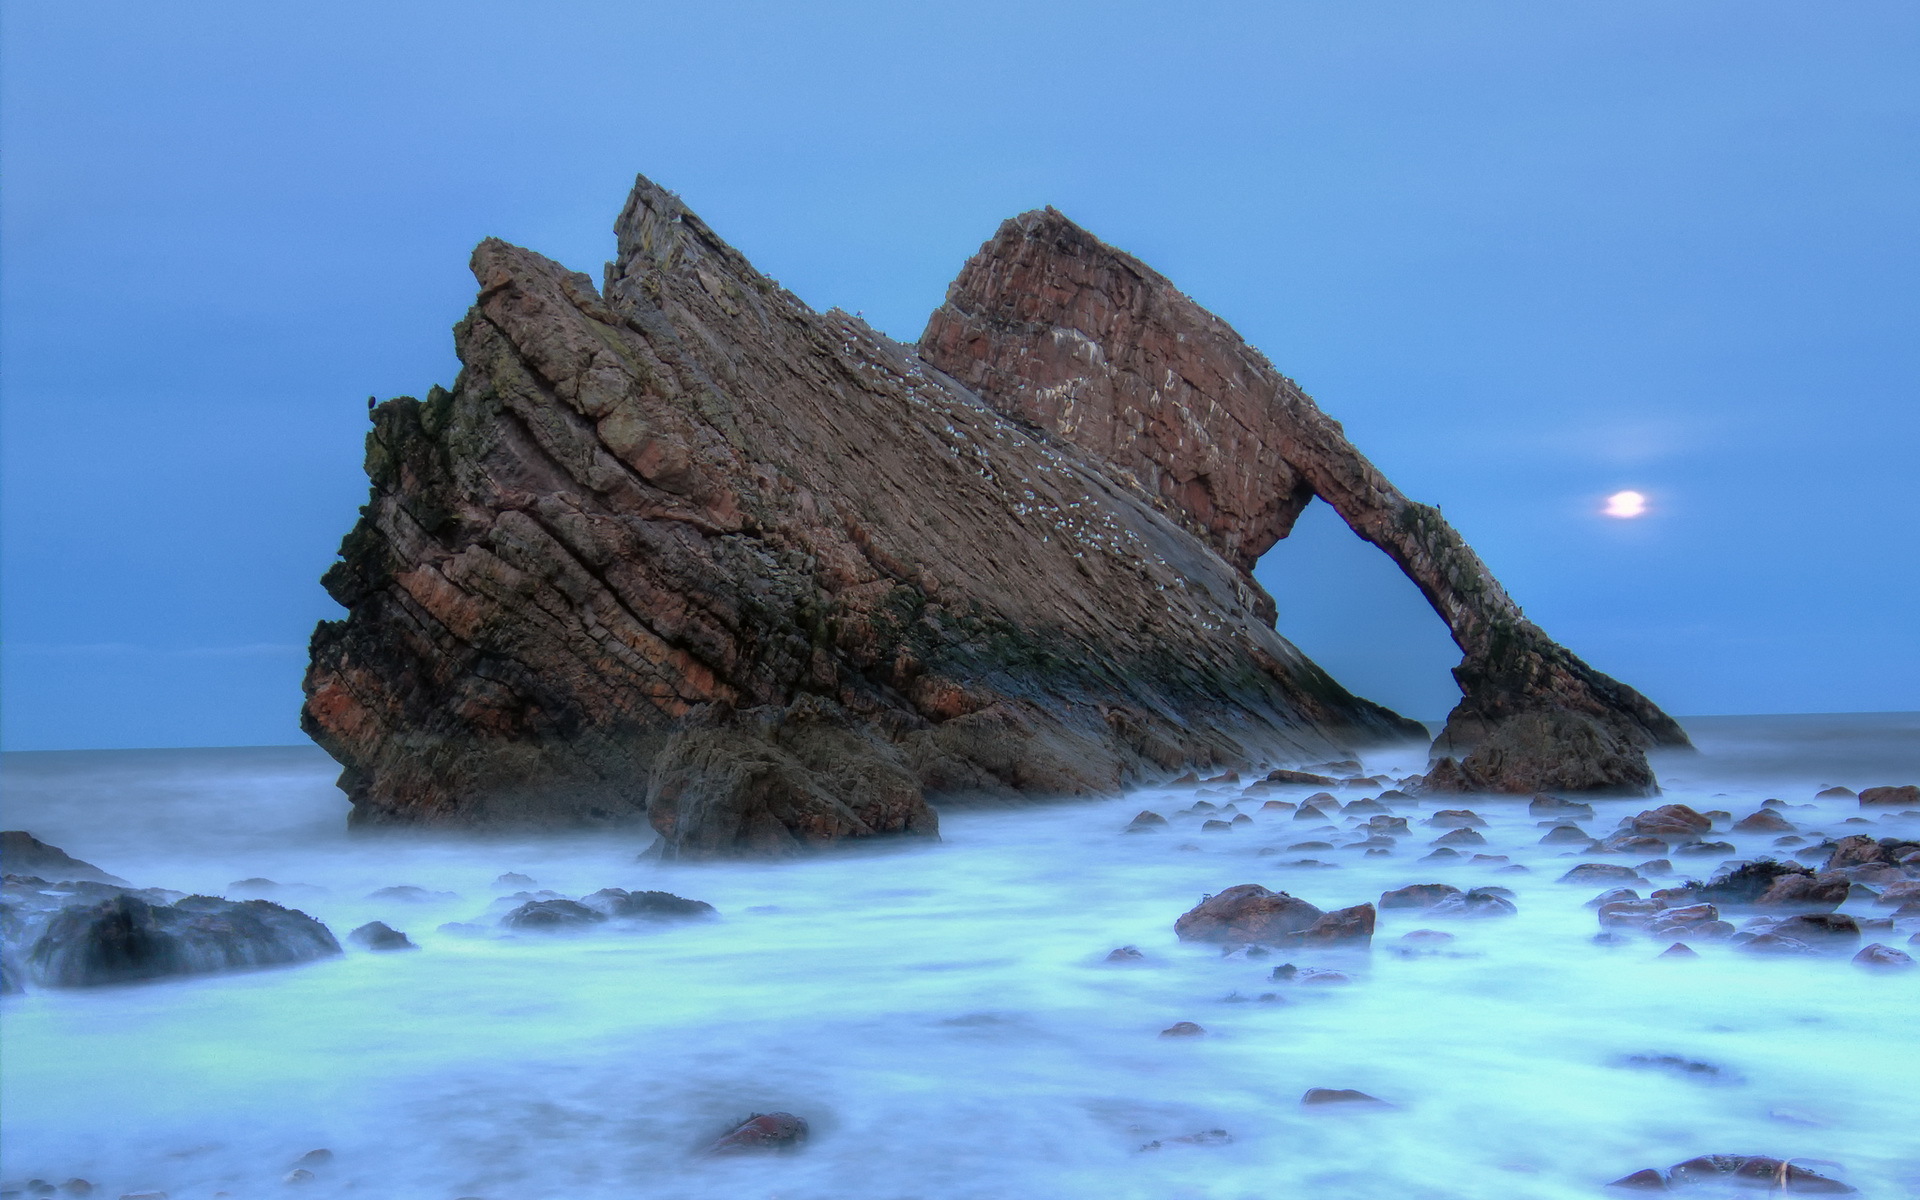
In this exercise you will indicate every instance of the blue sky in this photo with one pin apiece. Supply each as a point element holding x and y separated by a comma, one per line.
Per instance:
<point>1529,254</point>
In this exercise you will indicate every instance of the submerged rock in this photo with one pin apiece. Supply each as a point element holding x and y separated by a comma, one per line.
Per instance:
<point>1183,1029</point>
<point>650,906</point>
<point>1317,1096</point>
<point>126,940</point>
<point>1880,956</point>
<point>761,1133</point>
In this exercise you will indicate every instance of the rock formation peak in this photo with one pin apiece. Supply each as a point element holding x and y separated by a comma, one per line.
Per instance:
<point>682,547</point>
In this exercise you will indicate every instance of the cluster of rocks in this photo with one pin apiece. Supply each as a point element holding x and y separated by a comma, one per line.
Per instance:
<point>1740,1170</point>
<point>1794,905</point>
<point>86,928</point>
<point>92,929</point>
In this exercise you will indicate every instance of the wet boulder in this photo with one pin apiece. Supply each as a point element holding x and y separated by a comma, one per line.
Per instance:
<point>1626,841</point>
<point>1566,835</point>
<point>1246,913</point>
<point>23,854</point>
<point>126,940</point>
<point>1669,820</point>
<point>1861,850</point>
<point>1601,873</point>
<point>1701,849</point>
<point>1819,930</point>
<point>1746,883</point>
<point>1183,1029</point>
<point>1456,818</point>
<point>547,916</point>
<point>1806,891</point>
<point>1305,778</point>
<point>650,906</point>
<point>1147,821</point>
<point>1475,902</point>
<point>1342,926</point>
<point>1906,796</point>
<point>378,935</point>
<point>1553,806</point>
<point>1417,895</point>
<point>761,1133</point>
<point>1882,957</point>
<point>515,880</point>
<point>407,893</point>
<point>1763,820</point>
<point>1318,1096</point>
<point>1755,1170</point>
<point>1460,837</point>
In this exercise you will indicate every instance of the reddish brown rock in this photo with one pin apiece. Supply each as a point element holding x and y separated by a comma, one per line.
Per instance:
<point>1647,1180</point>
<point>1417,895</point>
<point>1073,337</point>
<point>681,548</point>
<point>761,1133</point>
<point>1679,950</point>
<point>1880,956</point>
<point>1905,796</point>
<point>1763,821</point>
<point>1246,913</point>
<point>1342,926</point>
<point>1315,1096</point>
<point>1671,821</point>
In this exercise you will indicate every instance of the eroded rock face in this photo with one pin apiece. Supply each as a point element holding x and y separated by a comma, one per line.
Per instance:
<point>1073,337</point>
<point>680,547</point>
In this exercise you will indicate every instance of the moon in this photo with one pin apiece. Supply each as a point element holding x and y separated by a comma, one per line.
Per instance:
<point>1625,505</point>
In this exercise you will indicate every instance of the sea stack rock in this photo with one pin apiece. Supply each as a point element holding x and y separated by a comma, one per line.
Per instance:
<point>1053,327</point>
<point>680,547</point>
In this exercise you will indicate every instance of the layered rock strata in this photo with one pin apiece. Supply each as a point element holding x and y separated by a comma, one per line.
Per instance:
<point>681,546</point>
<point>1072,337</point>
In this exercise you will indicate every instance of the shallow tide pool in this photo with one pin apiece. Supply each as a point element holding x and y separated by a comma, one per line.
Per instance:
<point>943,1016</point>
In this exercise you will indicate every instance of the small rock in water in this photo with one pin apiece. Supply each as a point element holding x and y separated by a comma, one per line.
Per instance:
<point>1655,867</point>
<point>1882,957</point>
<point>1601,873</point>
<point>1763,820</point>
<point>1554,806</point>
<point>77,1187</point>
<point>1834,793</point>
<point>1754,1171</point>
<point>1460,837</point>
<point>1316,1096</point>
<point>1182,1029</point>
<point>1647,1180</point>
<point>1704,848</point>
<point>514,879</point>
<point>297,1176</point>
<point>1206,1137</point>
<point>1565,835</point>
<point>1124,954</point>
<point>1675,1065</point>
<point>1455,818</point>
<point>314,1158</point>
<point>546,915</point>
<point>1277,806</point>
<point>1679,950</point>
<point>761,1133</point>
<point>378,935</point>
<point>1148,819</point>
<point>409,894</point>
<point>1906,796</point>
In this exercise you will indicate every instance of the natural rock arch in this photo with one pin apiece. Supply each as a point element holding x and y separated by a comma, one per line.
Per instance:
<point>1068,334</point>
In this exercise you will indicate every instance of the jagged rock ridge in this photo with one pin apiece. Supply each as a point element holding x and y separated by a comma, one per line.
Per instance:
<point>684,546</point>
<point>1073,337</point>
<point>681,546</point>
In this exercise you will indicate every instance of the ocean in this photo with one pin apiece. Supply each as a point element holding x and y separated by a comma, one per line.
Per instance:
<point>944,1017</point>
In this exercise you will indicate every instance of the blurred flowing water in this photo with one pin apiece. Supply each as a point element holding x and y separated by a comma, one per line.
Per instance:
<point>943,1016</point>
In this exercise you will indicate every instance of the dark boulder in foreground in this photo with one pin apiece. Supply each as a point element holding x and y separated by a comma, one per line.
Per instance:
<point>679,547</point>
<point>23,854</point>
<point>761,1133</point>
<point>126,940</point>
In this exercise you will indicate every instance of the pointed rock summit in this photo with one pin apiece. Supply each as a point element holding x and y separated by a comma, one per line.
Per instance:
<point>680,548</point>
